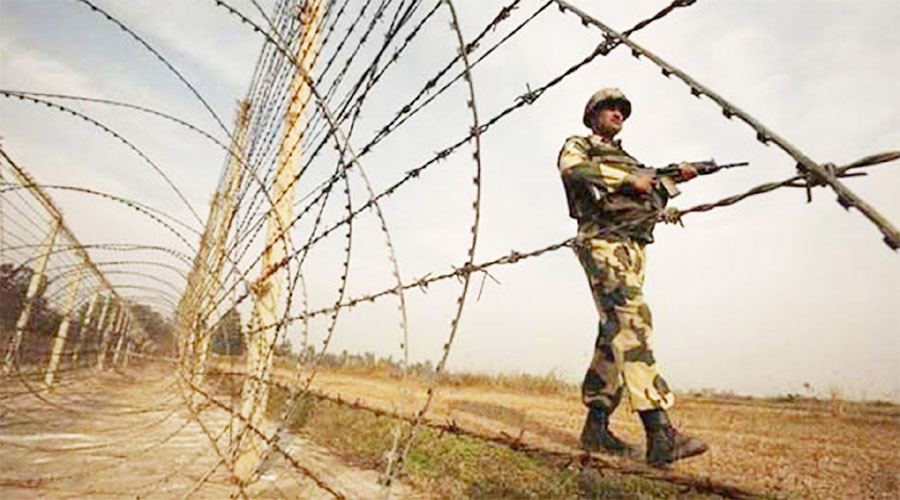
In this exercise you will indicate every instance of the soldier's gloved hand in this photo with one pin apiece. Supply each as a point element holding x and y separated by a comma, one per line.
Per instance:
<point>688,171</point>
<point>642,182</point>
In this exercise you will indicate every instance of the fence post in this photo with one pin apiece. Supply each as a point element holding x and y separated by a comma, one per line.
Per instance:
<point>123,332</point>
<point>106,333</point>
<point>102,320</point>
<point>62,333</point>
<point>84,328</point>
<point>219,225</point>
<point>251,447</point>
<point>127,346</point>
<point>33,286</point>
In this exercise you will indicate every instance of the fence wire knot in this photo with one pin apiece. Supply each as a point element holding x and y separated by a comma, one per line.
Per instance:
<point>671,215</point>
<point>813,179</point>
<point>609,42</point>
<point>514,442</point>
<point>502,16</point>
<point>530,96</point>
<point>422,283</point>
<point>450,427</point>
<point>465,270</point>
<point>259,287</point>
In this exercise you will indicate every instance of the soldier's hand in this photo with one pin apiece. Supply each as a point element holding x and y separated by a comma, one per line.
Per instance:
<point>688,171</point>
<point>642,182</point>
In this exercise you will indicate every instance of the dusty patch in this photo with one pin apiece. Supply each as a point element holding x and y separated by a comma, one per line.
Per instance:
<point>114,435</point>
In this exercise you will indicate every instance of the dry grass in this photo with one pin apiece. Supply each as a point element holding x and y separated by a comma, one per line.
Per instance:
<point>797,447</point>
<point>786,447</point>
<point>523,382</point>
<point>448,466</point>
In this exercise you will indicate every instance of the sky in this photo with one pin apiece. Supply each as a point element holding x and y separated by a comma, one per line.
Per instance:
<point>770,296</point>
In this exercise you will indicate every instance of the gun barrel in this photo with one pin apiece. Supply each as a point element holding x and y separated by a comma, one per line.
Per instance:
<point>703,167</point>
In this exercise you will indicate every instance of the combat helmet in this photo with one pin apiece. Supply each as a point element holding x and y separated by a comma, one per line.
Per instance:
<point>605,97</point>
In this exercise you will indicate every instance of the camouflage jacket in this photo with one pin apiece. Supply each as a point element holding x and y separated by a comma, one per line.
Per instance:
<point>594,174</point>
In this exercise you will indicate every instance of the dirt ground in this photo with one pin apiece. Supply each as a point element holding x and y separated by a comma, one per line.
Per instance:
<point>791,449</point>
<point>131,435</point>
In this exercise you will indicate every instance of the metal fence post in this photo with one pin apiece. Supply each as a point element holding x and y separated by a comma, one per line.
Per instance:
<point>123,332</point>
<point>63,331</point>
<point>127,346</point>
<point>84,328</point>
<point>220,222</point>
<point>36,280</point>
<point>106,332</point>
<point>269,300</point>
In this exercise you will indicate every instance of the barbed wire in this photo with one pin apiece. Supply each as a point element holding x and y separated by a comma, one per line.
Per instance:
<point>384,31</point>
<point>806,180</point>
<point>764,135</point>
<point>161,58</point>
<point>390,471</point>
<point>389,191</point>
<point>154,214</point>
<point>342,144</point>
<point>515,257</point>
<point>113,133</point>
<point>232,154</point>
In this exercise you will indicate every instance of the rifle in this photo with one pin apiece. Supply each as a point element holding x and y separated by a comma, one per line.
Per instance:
<point>671,174</point>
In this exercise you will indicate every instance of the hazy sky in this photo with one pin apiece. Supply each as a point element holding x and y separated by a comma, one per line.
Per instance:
<point>757,298</point>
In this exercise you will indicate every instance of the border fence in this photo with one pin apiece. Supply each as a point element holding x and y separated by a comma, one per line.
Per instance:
<point>296,178</point>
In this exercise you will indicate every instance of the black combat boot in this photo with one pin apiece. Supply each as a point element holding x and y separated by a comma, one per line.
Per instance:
<point>596,436</point>
<point>664,443</point>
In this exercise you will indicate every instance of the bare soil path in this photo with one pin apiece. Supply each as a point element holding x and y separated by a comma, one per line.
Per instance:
<point>130,435</point>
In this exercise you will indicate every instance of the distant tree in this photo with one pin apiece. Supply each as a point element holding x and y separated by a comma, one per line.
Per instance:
<point>158,328</point>
<point>43,321</point>
<point>308,354</point>
<point>284,349</point>
<point>227,337</point>
<point>14,282</point>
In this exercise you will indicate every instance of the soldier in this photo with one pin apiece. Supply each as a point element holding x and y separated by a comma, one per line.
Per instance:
<point>616,202</point>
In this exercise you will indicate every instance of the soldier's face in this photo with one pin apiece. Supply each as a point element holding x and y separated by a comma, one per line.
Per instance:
<point>609,121</point>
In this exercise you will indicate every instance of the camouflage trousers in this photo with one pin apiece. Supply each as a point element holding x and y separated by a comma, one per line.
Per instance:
<point>623,353</point>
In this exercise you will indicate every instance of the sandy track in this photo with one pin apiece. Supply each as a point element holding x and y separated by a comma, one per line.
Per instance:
<point>130,435</point>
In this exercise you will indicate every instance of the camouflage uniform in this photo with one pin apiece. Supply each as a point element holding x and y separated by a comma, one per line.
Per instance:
<point>614,224</point>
